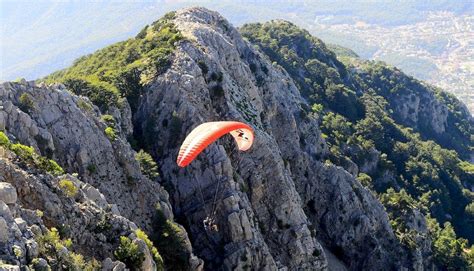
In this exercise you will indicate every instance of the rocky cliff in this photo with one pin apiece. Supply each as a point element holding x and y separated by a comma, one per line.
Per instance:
<point>68,129</point>
<point>278,193</point>
<point>278,206</point>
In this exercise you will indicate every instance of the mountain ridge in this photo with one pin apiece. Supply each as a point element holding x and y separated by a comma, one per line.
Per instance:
<point>207,71</point>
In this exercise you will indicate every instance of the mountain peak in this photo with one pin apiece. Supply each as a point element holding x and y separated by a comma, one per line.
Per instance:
<point>201,14</point>
<point>192,22</point>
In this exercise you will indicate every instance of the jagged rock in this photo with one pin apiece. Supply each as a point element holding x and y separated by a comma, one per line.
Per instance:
<point>94,195</point>
<point>8,267</point>
<point>5,212</point>
<point>109,265</point>
<point>371,162</point>
<point>148,263</point>
<point>422,110</point>
<point>57,127</point>
<point>7,193</point>
<point>3,231</point>
<point>77,140</point>
<point>80,217</point>
<point>20,223</point>
<point>120,267</point>
<point>32,250</point>
<point>42,264</point>
<point>2,121</point>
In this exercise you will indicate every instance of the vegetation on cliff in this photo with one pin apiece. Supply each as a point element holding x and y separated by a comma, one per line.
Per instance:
<point>122,69</point>
<point>415,167</point>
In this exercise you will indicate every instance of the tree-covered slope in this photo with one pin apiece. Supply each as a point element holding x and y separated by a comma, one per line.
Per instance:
<point>408,143</point>
<point>122,69</point>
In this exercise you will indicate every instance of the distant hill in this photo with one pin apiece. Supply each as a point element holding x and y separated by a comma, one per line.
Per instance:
<point>40,37</point>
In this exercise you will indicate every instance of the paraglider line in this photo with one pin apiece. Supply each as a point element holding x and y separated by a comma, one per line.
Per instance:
<point>202,198</point>
<point>214,203</point>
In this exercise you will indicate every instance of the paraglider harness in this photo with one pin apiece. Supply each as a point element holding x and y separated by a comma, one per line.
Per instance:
<point>209,222</point>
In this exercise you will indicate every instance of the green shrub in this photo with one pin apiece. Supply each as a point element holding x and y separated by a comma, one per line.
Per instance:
<point>103,224</point>
<point>17,251</point>
<point>169,237</point>
<point>109,120</point>
<point>129,253</point>
<point>142,33</point>
<point>39,213</point>
<point>68,187</point>
<point>449,251</point>
<point>364,179</point>
<point>169,15</point>
<point>92,168</point>
<point>470,209</point>
<point>50,246</point>
<point>203,67</point>
<point>93,265</point>
<point>317,108</point>
<point>19,79</point>
<point>360,118</point>
<point>26,102</point>
<point>4,141</point>
<point>467,167</point>
<point>103,94</point>
<point>84,105</point>
<point>35,265</point>
<point>153,250</point>
<point>49,166</point>
<point>147,164</point>
<point>118,72</point>
<point>28,155</point>
<point>110,133</point>
<point>25,153</point>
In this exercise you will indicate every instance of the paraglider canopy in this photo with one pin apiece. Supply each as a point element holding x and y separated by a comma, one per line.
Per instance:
<point>206,133</point>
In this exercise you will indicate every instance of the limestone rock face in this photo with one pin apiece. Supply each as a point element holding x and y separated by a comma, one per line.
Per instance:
<point>7,193</point>
<point>57,126</point>
<point>88,224</point>
<point>112,188</point>
<point>422,110</point>
<point>276,205</point>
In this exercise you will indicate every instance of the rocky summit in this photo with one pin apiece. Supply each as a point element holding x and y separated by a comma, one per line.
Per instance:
<point>89,180</point>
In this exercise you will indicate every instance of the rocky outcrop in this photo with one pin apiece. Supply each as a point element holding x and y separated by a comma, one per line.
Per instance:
<point>7,193</point>
<point>43,204</point>
<point>67,128</point>
<point>277,203</point>
<point>421,110</point>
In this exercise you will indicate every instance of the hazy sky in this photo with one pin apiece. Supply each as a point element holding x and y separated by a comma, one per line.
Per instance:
<point>39,37</point>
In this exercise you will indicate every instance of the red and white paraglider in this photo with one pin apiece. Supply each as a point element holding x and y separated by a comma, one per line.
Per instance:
<point>206,133</point>
<point>200,138</point>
